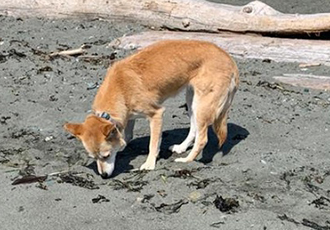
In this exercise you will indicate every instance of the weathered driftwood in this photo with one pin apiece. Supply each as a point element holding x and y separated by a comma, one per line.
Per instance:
<point>242,46</point>
<point>71,52</point>
<point>306,80</point>
<point>189,15</point>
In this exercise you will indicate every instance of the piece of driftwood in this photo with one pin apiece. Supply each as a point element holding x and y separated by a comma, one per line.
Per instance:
<point>241,45</point>
<point>71,52</point>
<point>188,15</point>
<point>306,80</point>
<point>307,65</point>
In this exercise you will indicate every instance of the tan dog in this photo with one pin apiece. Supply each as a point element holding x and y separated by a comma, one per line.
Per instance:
<point>137,85</point>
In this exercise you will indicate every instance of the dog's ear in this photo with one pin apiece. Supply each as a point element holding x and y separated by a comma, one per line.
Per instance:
<point>74,129</point>
<point>109,131</point>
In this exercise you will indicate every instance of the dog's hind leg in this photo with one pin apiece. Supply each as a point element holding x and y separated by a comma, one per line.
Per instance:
<point>180,148</point>
<point>200,109</point>
<point>220,122</point>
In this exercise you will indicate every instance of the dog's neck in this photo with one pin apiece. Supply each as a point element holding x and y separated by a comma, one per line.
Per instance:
<point>111,108</point>
<point>110,99</point>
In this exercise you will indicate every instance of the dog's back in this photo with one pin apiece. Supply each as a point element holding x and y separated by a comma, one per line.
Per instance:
<point>168,66</point>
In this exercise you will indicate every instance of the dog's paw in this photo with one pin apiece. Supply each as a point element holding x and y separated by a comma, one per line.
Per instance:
<point>148,166</point>
<point>177,149</point>
<point>183,159</point>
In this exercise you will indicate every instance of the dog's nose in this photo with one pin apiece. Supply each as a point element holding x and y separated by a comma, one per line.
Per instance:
<point>104,175</point>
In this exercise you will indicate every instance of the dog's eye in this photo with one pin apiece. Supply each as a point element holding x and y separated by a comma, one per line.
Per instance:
<point>105,155</point>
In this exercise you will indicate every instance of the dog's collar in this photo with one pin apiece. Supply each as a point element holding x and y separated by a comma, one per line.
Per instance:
<point>106,116</point>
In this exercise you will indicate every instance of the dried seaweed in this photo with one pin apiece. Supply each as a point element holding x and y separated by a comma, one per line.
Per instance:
<point>285,177</point>
<point>321,202</point>
<point>3,119</point>
<point>217,224</point>
<point>286,218</point>
<point>44,69</point>
<point>136,175</point>
<point>77,181</point>
<point>182,173</point>
<point>314,225</point>
<point>201,184</point>
<point>310,187</point>
<point>171,208</point>
<point>16,54</point>
<point>225,204</point>
<point>146,198</point>
<point>304,222</point>
<point>131,186</point>
<point>100,199</point>
<point>97,60</point>
<point>3,58</point>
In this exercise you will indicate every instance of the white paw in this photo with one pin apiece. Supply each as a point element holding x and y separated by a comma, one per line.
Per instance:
<point>182,159</point>
<point>148,166</point>
<point>177,149</point>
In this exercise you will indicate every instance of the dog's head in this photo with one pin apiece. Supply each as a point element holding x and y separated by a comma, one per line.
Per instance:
<point>102,140</point>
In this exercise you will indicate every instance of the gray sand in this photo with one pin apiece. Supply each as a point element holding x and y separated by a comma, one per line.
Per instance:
<point>275,162</point>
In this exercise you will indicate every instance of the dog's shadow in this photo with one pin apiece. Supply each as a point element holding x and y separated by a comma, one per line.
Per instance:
<point>140,145</point>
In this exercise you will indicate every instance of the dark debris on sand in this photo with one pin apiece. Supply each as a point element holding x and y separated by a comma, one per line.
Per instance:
<point>226,204</point>
<point>304,222</point>
<point>28,179</point>
<point>171,208</point>
<point>203,183</point>
<point>131,186</point>
<point>76,180</point>
<point>321,202</point>
<point>100,199</point>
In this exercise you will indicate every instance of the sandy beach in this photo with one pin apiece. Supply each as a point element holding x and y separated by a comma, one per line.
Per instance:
<point>272,173</point>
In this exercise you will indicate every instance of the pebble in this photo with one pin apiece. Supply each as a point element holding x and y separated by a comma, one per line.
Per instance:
<point>49,138</point>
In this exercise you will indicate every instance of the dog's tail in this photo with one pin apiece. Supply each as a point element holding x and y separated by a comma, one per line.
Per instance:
<point>220,128</point>
<point>220,121</point>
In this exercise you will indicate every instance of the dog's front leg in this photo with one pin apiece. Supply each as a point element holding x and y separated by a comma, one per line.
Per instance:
<point>156,121</point>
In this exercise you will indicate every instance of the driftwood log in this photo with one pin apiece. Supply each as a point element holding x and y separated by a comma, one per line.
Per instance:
<point>306,80</point>
<point>242,45</point>
<point>187,15</point>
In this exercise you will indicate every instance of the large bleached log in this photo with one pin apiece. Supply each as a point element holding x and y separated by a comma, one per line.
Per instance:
<point>242,45</point>
<point>188,15</point>
<point>306,80</point>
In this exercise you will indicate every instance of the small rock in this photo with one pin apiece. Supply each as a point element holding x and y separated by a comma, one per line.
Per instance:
<point>49,138</point>
<point>195,196</point>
